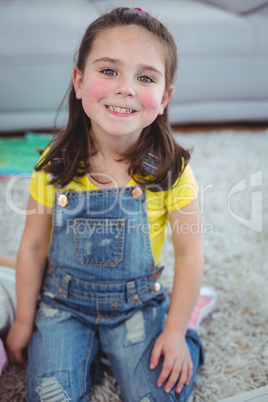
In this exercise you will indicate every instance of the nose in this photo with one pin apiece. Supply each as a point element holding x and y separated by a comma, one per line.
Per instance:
<point>125,87</point>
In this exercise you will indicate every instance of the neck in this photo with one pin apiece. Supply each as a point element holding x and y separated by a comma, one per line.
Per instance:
<point>105,168</point>
<point>112,147</point>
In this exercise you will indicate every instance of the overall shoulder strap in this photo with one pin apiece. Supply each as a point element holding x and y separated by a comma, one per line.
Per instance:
<point>151,163</point>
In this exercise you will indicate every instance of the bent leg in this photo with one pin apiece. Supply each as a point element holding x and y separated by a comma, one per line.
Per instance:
<point>60,356</point>
<point>197,354</point>
<point>129,347</point>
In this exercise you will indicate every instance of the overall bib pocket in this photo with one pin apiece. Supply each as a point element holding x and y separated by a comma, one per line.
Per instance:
<point>99,241</point>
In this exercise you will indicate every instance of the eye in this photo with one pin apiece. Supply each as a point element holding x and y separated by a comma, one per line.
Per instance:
<point>109,72</point>
<point>145,78</point>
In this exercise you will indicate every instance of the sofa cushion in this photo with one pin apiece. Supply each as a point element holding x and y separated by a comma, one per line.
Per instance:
<point>236,6</point>
<point>239,6</point>
<point>222,55</point>
<point>36,28</point>
<point>37,50</point>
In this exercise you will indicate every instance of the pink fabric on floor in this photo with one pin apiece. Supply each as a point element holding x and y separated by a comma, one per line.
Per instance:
<point>206,304</point>
<point>3,357</point>
<point>204,307</point>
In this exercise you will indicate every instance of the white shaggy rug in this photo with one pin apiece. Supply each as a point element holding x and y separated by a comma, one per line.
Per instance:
<point>232,171</point>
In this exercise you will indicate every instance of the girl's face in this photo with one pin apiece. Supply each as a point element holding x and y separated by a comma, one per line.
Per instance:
<point>123,85</point>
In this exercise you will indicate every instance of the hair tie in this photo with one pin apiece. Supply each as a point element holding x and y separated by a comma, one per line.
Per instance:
<point>140,9</point>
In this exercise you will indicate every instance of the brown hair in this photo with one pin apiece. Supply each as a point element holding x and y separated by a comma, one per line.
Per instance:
<point>157,138</point>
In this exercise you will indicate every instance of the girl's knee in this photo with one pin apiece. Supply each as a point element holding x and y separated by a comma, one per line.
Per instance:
<point>196,348</point>
<point>49,386</point>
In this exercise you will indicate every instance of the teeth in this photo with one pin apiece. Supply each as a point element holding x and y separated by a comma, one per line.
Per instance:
<point>119,109</point>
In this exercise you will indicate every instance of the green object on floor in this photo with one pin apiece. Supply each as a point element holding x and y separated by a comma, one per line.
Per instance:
<point>19,155</point>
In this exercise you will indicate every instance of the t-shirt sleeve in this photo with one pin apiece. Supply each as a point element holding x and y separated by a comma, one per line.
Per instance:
<point>40,189</point>
<point>184,191</point>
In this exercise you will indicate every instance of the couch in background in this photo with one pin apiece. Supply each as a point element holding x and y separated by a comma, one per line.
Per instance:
<point>222,48</point>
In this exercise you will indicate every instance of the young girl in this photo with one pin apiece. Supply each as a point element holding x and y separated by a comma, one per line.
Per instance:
<point>112,179</point>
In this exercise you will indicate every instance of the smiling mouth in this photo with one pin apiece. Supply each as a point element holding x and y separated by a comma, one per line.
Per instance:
<point>120,109</point>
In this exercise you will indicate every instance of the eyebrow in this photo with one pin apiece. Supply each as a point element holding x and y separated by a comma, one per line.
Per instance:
<point>116,61</point>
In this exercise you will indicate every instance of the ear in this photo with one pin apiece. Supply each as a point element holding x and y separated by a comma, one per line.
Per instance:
<point>165,100</point>
<point>77,81</point>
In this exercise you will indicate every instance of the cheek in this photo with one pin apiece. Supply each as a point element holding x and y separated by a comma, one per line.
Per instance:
<point>96,90</point>
<point>151,101</point>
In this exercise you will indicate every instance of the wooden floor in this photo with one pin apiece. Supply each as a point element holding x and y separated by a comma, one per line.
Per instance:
<point>208,128</point>
<point>183,128</point>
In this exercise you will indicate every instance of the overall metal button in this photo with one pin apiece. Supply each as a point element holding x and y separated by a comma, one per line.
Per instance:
<point>137,192</point>
<point>157,286</point>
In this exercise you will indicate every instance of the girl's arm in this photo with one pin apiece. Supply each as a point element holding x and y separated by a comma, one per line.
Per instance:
<point>189,264</point>
<point>189,261</point>
<point>30,267</point>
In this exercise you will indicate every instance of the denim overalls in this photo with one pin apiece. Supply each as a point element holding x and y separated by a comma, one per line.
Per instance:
<point>101,291</point>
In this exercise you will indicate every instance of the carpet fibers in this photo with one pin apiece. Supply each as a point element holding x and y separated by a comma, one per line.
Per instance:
<point>232,170</point>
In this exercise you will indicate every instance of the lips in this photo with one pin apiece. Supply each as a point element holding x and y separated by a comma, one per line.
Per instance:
<point>120,109</point>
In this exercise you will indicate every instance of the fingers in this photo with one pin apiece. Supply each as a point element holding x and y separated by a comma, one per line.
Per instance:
<point>155,356</point>
<point>170,369</point>
<point>175,374</point>
<point>185,375</point>
<point>177,368</point>
<point>174,370</point>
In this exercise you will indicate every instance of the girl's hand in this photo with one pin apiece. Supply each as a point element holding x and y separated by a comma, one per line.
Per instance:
<point>177,364</point>
<point>17,342</point>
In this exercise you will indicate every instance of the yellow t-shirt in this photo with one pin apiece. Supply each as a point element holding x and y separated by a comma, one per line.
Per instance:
<point>159,204</point>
